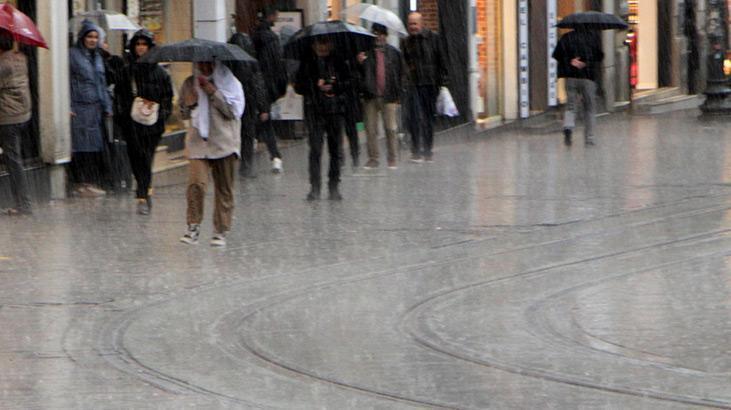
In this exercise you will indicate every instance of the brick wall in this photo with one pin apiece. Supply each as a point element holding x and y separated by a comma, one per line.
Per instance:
<point>489,54</point>
<point>430,12</point>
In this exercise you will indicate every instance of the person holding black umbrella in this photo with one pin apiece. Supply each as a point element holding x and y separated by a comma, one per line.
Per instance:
<point>324,81</point>
<point>578,54</point>
<point>214,102</point>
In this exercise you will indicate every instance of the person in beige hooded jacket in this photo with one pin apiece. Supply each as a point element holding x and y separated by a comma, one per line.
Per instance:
<point>214,102</point>
<point>15,113</point>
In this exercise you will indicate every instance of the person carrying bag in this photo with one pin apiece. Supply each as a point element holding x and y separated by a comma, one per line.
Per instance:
<point>143,101</point>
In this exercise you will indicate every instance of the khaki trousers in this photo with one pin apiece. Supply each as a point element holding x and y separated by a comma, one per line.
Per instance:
<point>375,108</point>
<point>223,171</point>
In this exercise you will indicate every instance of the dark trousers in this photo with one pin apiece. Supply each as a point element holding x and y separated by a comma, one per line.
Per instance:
<point>89,168</point>
<point>321,127</point>
<point>351,131</point>
<point>421,108</point>
<point>141,150</point>
<point>251,128</point>
<point>10,137</point>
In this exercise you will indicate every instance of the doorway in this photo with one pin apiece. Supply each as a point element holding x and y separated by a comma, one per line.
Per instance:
<point>664,44</point>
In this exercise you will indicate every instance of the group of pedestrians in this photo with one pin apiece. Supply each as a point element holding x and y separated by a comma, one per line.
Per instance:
<point>92,73</point>
<point>384,77</point>
<point>229,107</point>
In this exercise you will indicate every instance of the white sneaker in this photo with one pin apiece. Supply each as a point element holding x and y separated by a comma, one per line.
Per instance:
<point>277,166</point>
<point>218,240</point>
<point>191,235</point>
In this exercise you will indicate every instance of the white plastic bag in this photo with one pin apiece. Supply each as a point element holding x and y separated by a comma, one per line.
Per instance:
<point>445,103</point>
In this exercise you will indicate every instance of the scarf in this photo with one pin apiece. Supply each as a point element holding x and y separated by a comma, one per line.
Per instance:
<point>233,95</point>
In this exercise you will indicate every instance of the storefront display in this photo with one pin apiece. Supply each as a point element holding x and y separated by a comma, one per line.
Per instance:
<point>151,15</point>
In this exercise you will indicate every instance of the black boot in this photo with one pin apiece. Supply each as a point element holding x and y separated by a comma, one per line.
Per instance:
<point>334,193</point>
<point>567,136</point>
<point>314,194</point>
<point>247,172</point>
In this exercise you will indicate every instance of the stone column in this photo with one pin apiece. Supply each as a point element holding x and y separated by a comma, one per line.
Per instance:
<point>473,73</point>
<point>608,66</point>
<point>210,20</point>
<point>53,81</point>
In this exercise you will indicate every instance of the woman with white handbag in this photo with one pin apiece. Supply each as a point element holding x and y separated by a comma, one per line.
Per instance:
<point>143,101</point>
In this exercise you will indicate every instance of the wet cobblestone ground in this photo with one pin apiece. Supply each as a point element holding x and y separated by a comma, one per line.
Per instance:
<point>513,273</point>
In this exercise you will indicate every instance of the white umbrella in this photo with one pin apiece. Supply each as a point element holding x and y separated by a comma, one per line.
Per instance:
<point>106,19</point>
<point>376,14</point>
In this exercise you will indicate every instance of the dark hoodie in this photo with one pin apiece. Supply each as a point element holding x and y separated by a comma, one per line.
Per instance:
<point>152,82</point>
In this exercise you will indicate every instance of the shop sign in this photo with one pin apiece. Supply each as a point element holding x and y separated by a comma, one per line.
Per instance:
<point>151,16</point>
<point>524,59</point>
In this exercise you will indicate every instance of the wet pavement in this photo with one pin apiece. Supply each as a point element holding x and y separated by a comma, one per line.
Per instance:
<point>512,273</point>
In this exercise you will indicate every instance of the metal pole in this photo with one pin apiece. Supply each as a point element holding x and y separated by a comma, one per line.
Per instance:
<point>717,90</point>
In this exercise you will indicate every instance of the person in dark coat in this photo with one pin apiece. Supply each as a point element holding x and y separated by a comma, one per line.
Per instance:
<point>425,71</point>
<point>324,80</point>
<point>579,54</point>
<point>274,69</point>
<point>256,122</point>
<point>269,54</point>
<point>152,83</point>
<point>90,102</point>
<point>381,90</point>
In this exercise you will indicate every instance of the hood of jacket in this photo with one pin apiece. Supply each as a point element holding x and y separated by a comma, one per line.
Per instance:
<point>141,34</point>
<point>87,26</point>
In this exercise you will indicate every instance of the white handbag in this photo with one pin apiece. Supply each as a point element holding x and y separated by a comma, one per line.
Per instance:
<point>143,111</point>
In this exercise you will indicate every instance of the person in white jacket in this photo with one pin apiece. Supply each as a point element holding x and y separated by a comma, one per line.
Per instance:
<point>214,101</point>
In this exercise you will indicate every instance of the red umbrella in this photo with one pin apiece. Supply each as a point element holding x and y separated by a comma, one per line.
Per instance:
<point>20,26</point>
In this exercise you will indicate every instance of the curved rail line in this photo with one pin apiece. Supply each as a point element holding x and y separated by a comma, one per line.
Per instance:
<point>111,344</point>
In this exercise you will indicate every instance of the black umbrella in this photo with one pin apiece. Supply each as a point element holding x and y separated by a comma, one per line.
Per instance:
<point>592,20</point>
<point>196,50</point>
<point>348,39</point>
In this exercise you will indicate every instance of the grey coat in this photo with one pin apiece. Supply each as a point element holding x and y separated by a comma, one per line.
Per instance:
<point>90,99</point>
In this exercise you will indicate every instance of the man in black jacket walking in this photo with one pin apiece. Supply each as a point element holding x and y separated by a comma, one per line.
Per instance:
<point>255,120</point>
<point>578,54</point>
<point>425,70</point>
<point>381,90</point>
<point>324,80</point>
<point>268,52</point>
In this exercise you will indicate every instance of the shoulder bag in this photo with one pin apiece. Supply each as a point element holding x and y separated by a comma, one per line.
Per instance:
<point>143,111</point>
